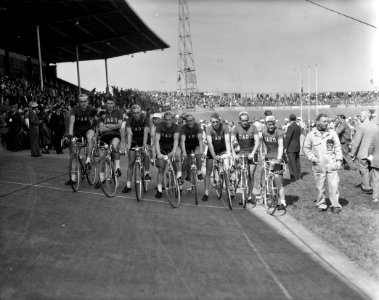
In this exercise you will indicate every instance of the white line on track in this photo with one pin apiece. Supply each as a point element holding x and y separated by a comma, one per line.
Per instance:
<point>101,194</point>
<point>270,272</point>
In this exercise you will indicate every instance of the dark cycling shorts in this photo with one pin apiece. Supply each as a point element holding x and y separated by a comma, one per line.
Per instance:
<point>209,156</point>
<point>81,131</point>
<point>165,151</point>
<point>191,148</point>
<point>251,161</point>
<point>107,138</point>
<point>136,143</point>
<point>278,168</point>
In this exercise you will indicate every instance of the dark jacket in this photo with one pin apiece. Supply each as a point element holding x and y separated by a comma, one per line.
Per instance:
<point>344,133</point>
<point>34,122</point>
<point>292,139</point>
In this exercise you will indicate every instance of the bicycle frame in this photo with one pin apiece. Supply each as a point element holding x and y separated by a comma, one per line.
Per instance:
<point>171,182</point>
<point>243,172</point>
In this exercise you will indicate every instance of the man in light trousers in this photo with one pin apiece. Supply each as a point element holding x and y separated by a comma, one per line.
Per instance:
<point>322,147</point>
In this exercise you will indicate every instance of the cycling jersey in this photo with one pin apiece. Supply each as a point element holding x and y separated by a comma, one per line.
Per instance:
<point>191,135</point>
<point>113,118</point>
<point>245,137</point>
<point>83,119</point>
<point>138,128</point>
<point>271,141</point>
<point>218,139</point>
<point>167,135</point>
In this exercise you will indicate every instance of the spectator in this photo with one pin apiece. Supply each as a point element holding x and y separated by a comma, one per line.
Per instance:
<point>361,143</point>
<point>34,130</point>
<point>322,147</point>
<point>292,148</point>
<point>57,128</point>
<point>3,129</point>
<point>344,134</point>
<point>374,162</point>
<point>15,127</point>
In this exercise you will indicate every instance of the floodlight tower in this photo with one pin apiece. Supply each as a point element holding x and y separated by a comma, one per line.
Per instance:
<point>186,77</point>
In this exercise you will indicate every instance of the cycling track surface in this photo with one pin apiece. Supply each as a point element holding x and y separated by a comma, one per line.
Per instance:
<point>57,244</point>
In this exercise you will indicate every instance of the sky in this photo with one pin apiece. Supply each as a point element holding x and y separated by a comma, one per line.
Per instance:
<point>250,46</point>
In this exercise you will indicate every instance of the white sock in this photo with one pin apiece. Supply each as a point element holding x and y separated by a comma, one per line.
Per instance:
<point>117,164</point>
<point>88,159</point>
<point>283,202</point>
<point>73,177</point>
<point>102,176</point>
<point>159,188</point>
<point>146,172</point>
<point>128,184</point>
<point>179,174</point>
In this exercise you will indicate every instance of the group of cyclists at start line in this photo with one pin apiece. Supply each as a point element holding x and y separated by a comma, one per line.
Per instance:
<point>167,137</point>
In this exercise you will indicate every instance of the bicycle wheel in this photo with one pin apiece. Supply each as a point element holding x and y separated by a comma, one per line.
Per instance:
<point>171,187</point>
<point>217,182</point>
<point>194,182</point>
<point>262,188</point>
<point>145,182</point>
<point>271,198</point>
<point>245,187</point>
<point>227,189</point>
<point>93,174</point>
<point>74,171</point>
<point>138,181</point>
<point>110,184</point>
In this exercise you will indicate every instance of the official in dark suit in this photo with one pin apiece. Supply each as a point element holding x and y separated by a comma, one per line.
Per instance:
<point>57,128</point>
<point>292,148</point>
<point>34,130</point>
<point>344,133</point>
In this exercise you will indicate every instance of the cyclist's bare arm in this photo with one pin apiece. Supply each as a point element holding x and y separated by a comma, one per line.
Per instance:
<point>129,134</point>
<point>146,131</point>
<point>176,142</point>
<point>227,143</point>
<point>183,144</point>
<point>280,148</point>
<point>201,144</point>
<point>233,138</point>
<point>210,147</point>
<point>256,143</point>
<point>157,146</point>
<point>71,125</point>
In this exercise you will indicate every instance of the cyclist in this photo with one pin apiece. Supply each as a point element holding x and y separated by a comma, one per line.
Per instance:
<point>273,150</point>
<point>156,119</point>
<point>137,129</point>
<point>247,137</point>
<point>81,124</point>
<point>167,140</point>
<point>109,128</point>
<point>218,139</point>
<point>192,141</point>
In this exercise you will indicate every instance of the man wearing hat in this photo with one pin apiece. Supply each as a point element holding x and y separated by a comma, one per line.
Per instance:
<point>344,134</point>
<point>34,122</point>
<point>292,148</point>
<point>14,122</point>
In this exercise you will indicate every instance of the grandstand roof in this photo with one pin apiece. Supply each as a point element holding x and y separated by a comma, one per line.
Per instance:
<point>101,28</point>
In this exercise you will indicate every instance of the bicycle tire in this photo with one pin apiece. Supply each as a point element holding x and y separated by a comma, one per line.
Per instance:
<point>217,182</point>
<point>245,187</point>
<point>171,188</point>
<point>78,173</point>
<point>110,183</point>
<point>145,183</point>
<point>271,199</point>
<point>93,174</point>
<point>194,183</point>
<point>138,181</point>
<point>227,189</point>
<point>262,187</point>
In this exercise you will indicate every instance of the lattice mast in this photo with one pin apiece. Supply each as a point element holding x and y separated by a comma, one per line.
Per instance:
<point>186,80</point>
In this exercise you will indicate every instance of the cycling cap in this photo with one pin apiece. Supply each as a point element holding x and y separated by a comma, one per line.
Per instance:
<point>83,96</point>
<point>156,115</point>
<point>270,119</point>
<point>136,107</point>
<point>243,113</point>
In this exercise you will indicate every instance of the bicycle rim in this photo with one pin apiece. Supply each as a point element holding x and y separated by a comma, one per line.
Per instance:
<point>172,188</point>
<point>245,189</point>
<point>138,181</point>
<point>271,199</point>
<point>227,190</point>
<point>74,159</point>
<point>92,174</point>
<point>194,183</point>
<point>217,182</point>
<point>110,183</point>
<point>145,183</point>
